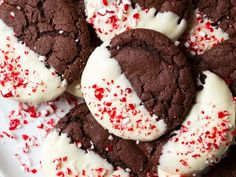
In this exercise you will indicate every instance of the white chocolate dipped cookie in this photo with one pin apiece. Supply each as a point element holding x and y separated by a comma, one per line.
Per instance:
<point>127,96</point>
<point>112,17</point>
<point>206,134</point>
<point>202,141</point>
<point>39,54</point>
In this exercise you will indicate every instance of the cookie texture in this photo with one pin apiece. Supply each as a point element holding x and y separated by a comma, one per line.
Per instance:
<point>220,60</point>
<point>140,158</point>
<point>80,125</point>
<point>55,29</point>
<point>158,71</point>
<point>222,13</point>
<point>181,8</point>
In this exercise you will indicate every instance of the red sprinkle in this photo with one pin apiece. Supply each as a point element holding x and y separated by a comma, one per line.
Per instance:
<point>105,2</point>
<point>25,137</point>
<point>223,114</point>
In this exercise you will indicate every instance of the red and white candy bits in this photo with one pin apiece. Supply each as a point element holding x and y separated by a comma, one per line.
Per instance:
<point>204,35</point>
<point>23,75</point>
<point>61,159</point>
<point>26,126</point>
<point>111,17</point>
<point>113,101</point>
<point>206,134</point>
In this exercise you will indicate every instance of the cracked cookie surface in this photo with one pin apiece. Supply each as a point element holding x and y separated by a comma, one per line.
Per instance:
<point>54,29</point>
<point>158,71</point>
<point>222,13</point>
<point>81,126</point>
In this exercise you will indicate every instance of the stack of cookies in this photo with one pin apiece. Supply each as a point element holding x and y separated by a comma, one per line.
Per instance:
<point>158,80</point>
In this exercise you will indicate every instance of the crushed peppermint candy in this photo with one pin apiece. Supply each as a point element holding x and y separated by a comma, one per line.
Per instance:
<point>116,16</point>
<point>13,75</point>
<point>120,117</point>
<point>63,168</point>
<point>204,35</point>
<point>205,139</point>
<point>28,126</point>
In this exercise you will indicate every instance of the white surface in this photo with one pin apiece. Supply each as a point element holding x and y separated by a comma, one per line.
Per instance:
<point>101,80</point>
<point>23,72</point>
<point>9,166</point>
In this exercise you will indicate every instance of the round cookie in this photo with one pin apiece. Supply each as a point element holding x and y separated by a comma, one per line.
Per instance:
<point>205,135</point>
<point>44,46</point>
<point>138,86</point>
<point>213,22</point>
<point>220,60</point>
<point>79,130</point>
<point>111,17</point>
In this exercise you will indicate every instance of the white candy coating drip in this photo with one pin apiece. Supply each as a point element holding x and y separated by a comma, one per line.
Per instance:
<point>111,17</point>
<point>206,134</point>
<point>113,101</point>
<point>61,158</point>
<point>24,76</point>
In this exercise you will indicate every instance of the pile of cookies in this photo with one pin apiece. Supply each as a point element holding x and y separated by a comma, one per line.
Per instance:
<point>158,80</point>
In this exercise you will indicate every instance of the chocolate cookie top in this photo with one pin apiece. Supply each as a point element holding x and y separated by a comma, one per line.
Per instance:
<point>205,124</point>
<point>181,8</point>
<point>158,71</point>
<point>146,94</point>
<point>110,18</point>
<point>222,13</point>
<point>220,60</point>
<point>55,29</point>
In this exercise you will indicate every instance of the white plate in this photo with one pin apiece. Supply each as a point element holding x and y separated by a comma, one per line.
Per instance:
<point>10,166</point>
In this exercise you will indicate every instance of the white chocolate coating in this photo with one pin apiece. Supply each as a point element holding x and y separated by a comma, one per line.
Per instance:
<point>75,89</point>
<point>205,135</point>
<point>118,16</point>
<point>162,173</point>
<point>203,35</point>
<point>24,76</point>
<point>113,101</point>
<point>61,158</point>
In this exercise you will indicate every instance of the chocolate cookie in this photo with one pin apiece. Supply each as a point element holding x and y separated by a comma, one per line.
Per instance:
<point>82,129</point>
<point>110,18</point>
<point>213,22</point>
<point>56,30</point>
<point>75,87</point>
<point>222,13</point>
<point>139,84</point>
<point>220,60</point>
<point>79,132</point>
<point>55,33</point>
<point>181,8</point>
